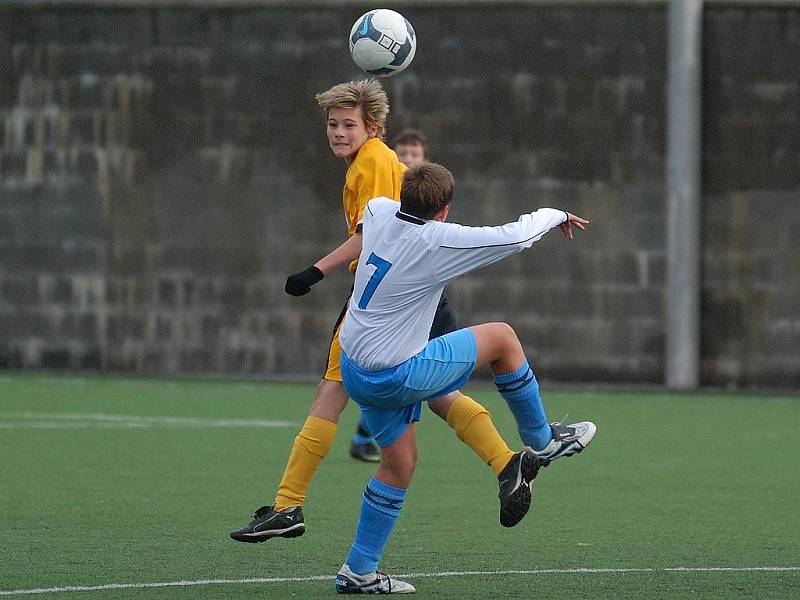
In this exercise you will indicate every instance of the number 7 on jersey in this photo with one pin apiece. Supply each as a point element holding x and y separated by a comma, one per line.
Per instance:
<point>381,268</point>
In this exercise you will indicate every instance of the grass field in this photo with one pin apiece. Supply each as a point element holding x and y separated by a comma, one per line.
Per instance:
<point>112,482</point>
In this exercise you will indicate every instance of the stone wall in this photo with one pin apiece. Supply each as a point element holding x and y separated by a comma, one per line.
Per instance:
<point>162,169</point>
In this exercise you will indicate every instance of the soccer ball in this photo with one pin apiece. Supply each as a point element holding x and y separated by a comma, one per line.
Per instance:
<point>382,42</point>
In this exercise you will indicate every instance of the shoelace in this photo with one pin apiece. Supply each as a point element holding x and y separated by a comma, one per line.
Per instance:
<point>560,430</point>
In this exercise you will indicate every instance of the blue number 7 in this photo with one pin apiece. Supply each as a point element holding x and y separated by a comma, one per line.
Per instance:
<point>382,267</point>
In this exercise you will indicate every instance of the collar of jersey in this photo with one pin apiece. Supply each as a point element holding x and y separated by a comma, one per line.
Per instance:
<point>410,218</point>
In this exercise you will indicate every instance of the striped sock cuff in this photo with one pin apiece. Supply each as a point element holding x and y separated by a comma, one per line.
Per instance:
<point>506,378</point>
<point>384,497</point>
<point>509,383</point>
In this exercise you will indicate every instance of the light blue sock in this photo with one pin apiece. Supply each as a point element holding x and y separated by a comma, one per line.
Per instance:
<point>362,436</point>
<point>380,508</point>
<point>521,391</point>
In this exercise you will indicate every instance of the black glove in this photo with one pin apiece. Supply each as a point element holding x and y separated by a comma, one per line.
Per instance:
<point>299,284</point>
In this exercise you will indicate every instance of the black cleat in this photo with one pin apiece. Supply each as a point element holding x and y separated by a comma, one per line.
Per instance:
<point>268,523</point>
<point>515,489</point>
<point>368,452</point>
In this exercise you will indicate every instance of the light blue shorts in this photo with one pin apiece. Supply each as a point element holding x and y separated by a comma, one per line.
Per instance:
<point>391,399</point>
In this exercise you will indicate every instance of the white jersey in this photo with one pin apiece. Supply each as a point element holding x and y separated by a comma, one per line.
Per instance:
<point>404,265</point>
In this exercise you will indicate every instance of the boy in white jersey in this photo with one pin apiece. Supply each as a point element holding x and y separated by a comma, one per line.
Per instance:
<point>389,367</point>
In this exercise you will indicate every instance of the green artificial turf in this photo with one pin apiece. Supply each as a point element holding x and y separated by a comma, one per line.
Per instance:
<point>671,481</point>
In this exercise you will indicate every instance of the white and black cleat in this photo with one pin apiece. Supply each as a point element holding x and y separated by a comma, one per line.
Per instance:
<point>567,440</point>
<point>376,582</point>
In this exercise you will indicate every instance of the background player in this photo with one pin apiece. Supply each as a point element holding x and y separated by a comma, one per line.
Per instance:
<point>411,147</point>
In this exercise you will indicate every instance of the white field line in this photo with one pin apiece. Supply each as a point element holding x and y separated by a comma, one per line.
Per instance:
<point>198,582</point>
<point>45,420</point>
<point>75,425</point>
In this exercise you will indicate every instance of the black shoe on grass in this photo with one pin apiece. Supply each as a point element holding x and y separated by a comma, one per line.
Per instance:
<point>268,523</point>
<point>368,452</point>
<point>515,489</point>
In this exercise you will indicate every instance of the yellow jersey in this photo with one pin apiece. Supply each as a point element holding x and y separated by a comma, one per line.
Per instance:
<point>375,171</point>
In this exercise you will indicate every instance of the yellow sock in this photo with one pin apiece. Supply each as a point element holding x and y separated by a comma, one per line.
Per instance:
<point>473,426</point>
<point>311,445</point>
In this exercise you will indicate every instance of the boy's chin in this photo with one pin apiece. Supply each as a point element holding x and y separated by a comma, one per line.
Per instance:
<point>341,153</point>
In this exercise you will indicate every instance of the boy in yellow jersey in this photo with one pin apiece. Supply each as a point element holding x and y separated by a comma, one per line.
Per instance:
<point>356,113</point>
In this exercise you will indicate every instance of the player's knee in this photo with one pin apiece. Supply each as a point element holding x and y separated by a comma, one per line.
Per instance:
<point>505,334</point>
<point>441,406</point>
<point>396,475</point>
<point>399,465</point>
<point>329,400</point>
<point>403,464</point>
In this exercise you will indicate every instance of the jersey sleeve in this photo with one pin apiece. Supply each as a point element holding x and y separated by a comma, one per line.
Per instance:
<point>461,249</point>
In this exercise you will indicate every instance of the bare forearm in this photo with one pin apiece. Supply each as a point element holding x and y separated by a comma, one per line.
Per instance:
<point>342,256</point>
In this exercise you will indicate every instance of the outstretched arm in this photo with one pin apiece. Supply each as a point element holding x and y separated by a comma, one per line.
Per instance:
<point>463,249</point>
<point>299,284</point>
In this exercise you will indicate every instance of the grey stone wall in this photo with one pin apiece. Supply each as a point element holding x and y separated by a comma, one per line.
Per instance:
<point>163,168</point>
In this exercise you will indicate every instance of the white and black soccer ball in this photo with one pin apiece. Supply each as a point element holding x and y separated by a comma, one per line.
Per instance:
<point>382,42</point>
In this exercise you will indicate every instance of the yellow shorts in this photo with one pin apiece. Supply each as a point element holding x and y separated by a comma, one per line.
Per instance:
<point>333,370</point>
<point>444,321</point>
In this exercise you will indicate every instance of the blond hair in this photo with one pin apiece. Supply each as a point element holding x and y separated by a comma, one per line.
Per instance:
<point>367,93</point>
